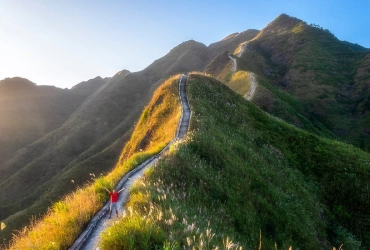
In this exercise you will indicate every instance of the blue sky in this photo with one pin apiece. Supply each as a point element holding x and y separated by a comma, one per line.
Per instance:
<point>65,42</point>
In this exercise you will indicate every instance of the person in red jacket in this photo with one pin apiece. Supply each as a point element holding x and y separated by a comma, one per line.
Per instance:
<point>113,200</point>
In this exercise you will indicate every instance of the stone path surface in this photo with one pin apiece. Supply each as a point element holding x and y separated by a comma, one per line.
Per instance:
<point>251,75</point>
<point>254,85</point>
<point>234,61</point>
<point>242,49</point>
<point>89,239</point>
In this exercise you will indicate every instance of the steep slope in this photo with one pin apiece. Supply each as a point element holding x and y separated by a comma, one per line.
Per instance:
<point>29,112</point>
<point>67,218</point>
<point>317,75</point>
<point>89,141</point>
<point>241,171</point>
<point>187,56</point>
<point>306,77</point>
<point>218,59</point>
<point>230,43</point>
<point>220,66</point>
<point>89,87</point>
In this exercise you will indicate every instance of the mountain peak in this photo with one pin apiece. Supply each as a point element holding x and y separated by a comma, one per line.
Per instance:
<point>281,24</point>
<point>89,86</point>
<point>17,80</point>
<point>16,84</point>
<point>284,19</point>
<point>230,36</point>
<point>118,76</point>
<point>123,72</point>
<point>186,45</point>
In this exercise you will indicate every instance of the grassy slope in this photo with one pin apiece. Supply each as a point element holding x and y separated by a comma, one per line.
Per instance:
<point>267,96</point>
<point>72,213</point>
<point>277,101</point>
<point>230,42</point>
<point>241,171</point>
<point>43,171</point>
<point>89,142</point>
<point>316,71</point>
<point>240,82</point>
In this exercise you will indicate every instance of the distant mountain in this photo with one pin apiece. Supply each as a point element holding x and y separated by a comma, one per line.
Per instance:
<point>51,136</point>
<point>89,139</point>
<point>89,87</point>
<point>29,112</point>
<point>118,76</point>
<point>230,43</point>
<point>307,77</point>
<point>17,86</point>
<point>329,78</point>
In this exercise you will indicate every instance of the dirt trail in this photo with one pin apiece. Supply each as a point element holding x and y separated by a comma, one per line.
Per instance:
<point>89,239</point>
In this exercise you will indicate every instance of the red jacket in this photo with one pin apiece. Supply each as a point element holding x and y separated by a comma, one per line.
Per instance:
<point>113,196</point>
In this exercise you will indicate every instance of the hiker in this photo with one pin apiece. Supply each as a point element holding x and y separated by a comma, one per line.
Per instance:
<point>113,200</point>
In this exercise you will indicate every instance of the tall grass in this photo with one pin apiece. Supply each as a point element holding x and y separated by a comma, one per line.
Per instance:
<point>66,219</point>
<point>240,172</point>
<point>63,222</point>
<point>240,82</point>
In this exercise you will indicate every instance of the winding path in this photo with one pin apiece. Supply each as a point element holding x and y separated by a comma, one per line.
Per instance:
<point>254,85</point>
<point>251,75</point>
<point>89,239</point>
<point>242,49</point>
<point>234,61</point>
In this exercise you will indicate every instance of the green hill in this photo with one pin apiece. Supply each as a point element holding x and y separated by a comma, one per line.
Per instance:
<point>311,79</point>
<point>89,140</point>
<point>240,171</point>
<point>305,75</point>
<point>67,218</point>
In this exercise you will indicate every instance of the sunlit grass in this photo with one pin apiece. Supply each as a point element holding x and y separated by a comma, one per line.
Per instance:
<point>158,122</point>
<point>240,82</point>
<point>62,224</point>
<point>239,174</point>
<point>238,49</point>
<point>65,220</point>
<point>133,232</point>
<point>153,221</point>
<point>243,179</point>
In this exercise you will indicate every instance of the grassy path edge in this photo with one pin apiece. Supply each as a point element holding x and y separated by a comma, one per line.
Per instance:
<point>181,131</point>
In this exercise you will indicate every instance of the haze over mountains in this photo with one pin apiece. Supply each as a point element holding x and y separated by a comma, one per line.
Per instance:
<point>51,136</point>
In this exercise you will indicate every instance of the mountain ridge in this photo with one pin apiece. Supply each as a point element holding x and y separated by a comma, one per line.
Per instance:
<point>295,84</point>
<point>314,68</point>
<point>293,181</point>
<point>89,140</point>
